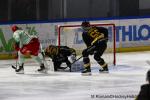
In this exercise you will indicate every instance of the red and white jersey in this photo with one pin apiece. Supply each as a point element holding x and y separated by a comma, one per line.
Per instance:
<point>22,37</point>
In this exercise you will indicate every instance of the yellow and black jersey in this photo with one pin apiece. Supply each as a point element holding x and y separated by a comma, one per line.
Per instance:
<point>94,34</point>
<point>59,51</point>
<point>51,51</point>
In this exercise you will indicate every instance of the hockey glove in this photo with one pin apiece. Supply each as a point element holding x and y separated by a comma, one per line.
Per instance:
<point>97,38</point>
<point>100,41</point>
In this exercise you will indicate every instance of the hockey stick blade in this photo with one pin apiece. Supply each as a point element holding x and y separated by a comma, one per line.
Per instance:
<point>76,60</point>
<point>13,67</point>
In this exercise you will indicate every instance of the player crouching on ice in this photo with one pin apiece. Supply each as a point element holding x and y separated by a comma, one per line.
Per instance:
<point>59,55</point>
<point>95,39</point>
<point>26,44</point>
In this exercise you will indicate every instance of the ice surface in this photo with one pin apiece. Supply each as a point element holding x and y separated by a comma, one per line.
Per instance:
<point>122,83</point>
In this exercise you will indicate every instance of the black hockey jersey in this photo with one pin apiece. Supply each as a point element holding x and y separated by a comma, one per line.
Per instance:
<point>93,34</point>
<point>59,51</point>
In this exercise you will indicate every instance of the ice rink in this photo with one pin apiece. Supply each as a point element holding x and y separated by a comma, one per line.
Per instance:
<point>122,83</point>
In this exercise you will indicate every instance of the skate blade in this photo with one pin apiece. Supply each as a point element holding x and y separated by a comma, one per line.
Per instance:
<point>19,72</point>
<point>103,71</point>
<point>43,72</point>
<point>86,74</point>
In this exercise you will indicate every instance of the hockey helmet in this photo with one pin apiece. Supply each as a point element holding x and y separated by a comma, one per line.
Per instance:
<point>85,24</point>
<point>148,76</point>
<point>14,28</point>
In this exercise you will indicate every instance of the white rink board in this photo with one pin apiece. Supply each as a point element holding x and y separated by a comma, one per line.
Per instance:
<point>129,32</point>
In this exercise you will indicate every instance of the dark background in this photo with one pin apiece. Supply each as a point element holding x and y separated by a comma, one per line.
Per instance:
<point>16,10</point>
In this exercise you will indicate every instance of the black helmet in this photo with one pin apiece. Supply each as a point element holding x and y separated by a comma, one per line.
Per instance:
<point>85,24</point>
<point>148,76</point>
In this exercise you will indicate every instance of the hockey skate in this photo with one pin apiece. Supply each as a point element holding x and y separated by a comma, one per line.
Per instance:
<point>86,72</point>
<point>104,69</point>
<point>20,70</point>
<point>42,69</point>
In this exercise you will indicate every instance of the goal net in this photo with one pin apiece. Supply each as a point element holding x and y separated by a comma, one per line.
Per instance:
<point>71,36</point>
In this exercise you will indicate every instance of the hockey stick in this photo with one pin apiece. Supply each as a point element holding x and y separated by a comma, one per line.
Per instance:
<point>16,58</point>
<point>15,66</point>
<point>76,60</point>
<point>88,50</point>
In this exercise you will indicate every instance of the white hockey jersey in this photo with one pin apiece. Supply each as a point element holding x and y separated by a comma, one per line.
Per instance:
<point>23,37</point>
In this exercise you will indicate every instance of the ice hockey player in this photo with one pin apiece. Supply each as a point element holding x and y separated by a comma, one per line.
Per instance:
<point>144,93</point>
<point>26,44</point>
<point>95,39</point>
<point>59,55</point>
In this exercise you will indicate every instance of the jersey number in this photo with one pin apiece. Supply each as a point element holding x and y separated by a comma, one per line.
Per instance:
<point>94,33</point>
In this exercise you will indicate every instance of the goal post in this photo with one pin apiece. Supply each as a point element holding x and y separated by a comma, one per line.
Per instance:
<point>71,36</point>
